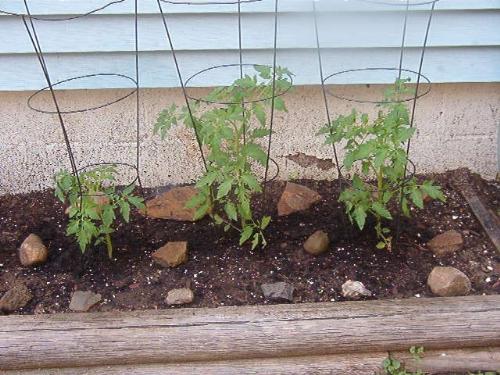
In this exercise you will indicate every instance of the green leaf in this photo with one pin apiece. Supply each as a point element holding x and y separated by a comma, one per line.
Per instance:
<point>255,241</point>
<point>416,197</point>
<point>279,104</point>
<point>224,188</point>
<point>381,245</point>
<point>108,216</point>
<point>124,210</point>
<point>256,152</point>
<point>231,212</point>
<point>381,210</point>
<point>246,234</point>
<point>266,220</point>
<point>251,182</point>
<point>433,191</point>
<point>207,180</point>
<point>201,211</point>
<point>136,201</point>
<point>260,114</point>
<point>360,216</point>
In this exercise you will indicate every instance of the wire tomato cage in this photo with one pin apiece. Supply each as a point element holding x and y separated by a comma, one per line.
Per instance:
<point>396,72</point>
<point>237,68</point>
<point>30,21</point>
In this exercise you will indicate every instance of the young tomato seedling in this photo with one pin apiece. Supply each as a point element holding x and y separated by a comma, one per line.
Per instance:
<point>92,210</point>
<point>231,134</point>
<point>377,149</point>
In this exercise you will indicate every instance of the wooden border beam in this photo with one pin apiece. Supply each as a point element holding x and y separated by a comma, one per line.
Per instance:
<point>183,336</point>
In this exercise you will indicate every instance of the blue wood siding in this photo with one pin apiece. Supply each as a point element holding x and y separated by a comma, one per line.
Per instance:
<point>464,45</point>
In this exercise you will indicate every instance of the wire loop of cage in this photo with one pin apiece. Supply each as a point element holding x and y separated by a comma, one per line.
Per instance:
<point>59,18</point>
<point>184,83</point>
<point>361,101</point>
<point>257,100</point>
<point>127,94</point>
<point>325,79</point>
<point>29,22</point>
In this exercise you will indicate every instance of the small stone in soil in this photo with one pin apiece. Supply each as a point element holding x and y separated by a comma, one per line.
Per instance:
<point>172,204</point>
<point>32,251</point>
<point>446,243</point>
<point>279,291</point>
<point>355,289</point>
<point>172,254</point>
<point>317,243</point>
<point>448,282</point>
<point>15,298</point>
<point>83,301</point>
<point>181,296</point>
<point>296,198</point>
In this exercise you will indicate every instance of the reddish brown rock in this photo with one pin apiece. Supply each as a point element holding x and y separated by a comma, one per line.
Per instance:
<point>172,204</point>
<point>296,198</point>
<point>446,243</point>
<point>448,282</point>
<point>172,254</point>
<point>32,251</point>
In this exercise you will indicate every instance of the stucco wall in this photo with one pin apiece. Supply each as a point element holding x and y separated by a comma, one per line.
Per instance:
<point>457,127</point>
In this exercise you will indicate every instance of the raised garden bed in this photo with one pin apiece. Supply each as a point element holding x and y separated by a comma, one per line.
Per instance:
<point>222,273</point>
<point>348,338</point>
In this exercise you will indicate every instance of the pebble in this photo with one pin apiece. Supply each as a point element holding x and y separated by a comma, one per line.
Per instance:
<point>83,300</point>
<point>355,290</point>
<point>180,296</point>
<point>32,251</point>
<point>448,282</point>
<point>279,291</point>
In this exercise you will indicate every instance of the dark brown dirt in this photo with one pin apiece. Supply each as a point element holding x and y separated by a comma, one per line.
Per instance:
<point>222,273</point>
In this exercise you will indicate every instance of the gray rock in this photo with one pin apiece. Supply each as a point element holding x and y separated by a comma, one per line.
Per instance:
<point>448,282</point>
<point>279,291</point>
<point>446,243</point>
<point>15,298</point>
<point>32,251</point>
<point>181,296</point>
<point>355,290</point>
<point>83,301</point>
<point>317,243</point>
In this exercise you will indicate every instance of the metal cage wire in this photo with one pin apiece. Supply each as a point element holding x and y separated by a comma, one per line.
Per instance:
<point>184,83</point>
<point>29,21</point>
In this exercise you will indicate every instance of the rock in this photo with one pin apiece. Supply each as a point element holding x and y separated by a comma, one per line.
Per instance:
<point>448,282</point>
<point>15,298</point>
<point>172,254</point>
<point>83,301</point>
<point>172,204</point>
<point>355,290</point>
<point>446,243</point>
<point>181,296</point>
<point>280,291</point>
<point>296,198</point>
<point>32,251</point>
<point>317,243</point>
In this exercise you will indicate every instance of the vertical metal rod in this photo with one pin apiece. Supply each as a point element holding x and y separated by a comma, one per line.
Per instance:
<point>415,99</point>
<point>323,88</point>
<point>401,55</point>
<point>137,96</point>
<point>240,51</point>
<point>33,35</point>
<point>181,81</point>
<point>273,96</point>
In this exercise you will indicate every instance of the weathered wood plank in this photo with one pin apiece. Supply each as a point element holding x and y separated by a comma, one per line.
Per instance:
<point>433,362</point>
<point>187,335</point>
<point>453,361</point>
<point>347,364</point>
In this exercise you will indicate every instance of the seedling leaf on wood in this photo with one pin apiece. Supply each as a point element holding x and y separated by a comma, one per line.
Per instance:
<point>231,134</point>
<point>377,149</point>
<point>93,210</point>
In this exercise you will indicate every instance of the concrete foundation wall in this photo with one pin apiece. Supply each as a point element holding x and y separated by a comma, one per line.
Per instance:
<point>457,127</point>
